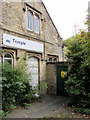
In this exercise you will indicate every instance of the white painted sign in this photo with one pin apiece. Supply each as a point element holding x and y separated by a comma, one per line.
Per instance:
<point>17,42</point>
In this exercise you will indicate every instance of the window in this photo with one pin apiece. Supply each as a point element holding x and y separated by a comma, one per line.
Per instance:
<point>55,59</point>
<point>30,20</point>
<point>8,58</point>
<point>36,24</point>
<point>52,58</point>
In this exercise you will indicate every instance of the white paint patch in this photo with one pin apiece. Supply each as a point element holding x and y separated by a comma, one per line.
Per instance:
<point>33,67</point>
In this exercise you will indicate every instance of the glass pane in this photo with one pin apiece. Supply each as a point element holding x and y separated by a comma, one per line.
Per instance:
<point>55,59</point>
<point>36,24</point>
<point>50,59</point>
<point>30,20</point>
<point>8,58</point>
<point>9,61</point>
<point>8,55</point>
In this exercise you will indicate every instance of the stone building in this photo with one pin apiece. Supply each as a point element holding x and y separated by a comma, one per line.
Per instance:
<point>27,32</point>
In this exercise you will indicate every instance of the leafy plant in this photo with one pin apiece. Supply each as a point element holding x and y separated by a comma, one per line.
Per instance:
<point>2,113</point>
<point>16,89</point>
<point>78,81</point>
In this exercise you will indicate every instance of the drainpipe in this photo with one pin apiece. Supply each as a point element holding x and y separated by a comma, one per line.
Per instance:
<point>62,52</point>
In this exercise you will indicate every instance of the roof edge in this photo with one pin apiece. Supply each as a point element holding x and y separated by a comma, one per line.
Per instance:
<point>51,19</point>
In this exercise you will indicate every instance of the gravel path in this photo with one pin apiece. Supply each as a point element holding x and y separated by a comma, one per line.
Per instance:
<point>48,107</point>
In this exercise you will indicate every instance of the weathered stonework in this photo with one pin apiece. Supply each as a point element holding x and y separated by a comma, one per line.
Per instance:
<point>14,23</point>
<point>51,78</point>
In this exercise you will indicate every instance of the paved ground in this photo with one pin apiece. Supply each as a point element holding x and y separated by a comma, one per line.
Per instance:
<point>47,107</point>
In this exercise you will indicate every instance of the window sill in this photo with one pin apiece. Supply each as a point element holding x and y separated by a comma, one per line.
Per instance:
<point>34,33</point>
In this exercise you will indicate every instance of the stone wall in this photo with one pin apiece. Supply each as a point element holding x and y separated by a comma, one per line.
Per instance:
<point>14,19</point>
<point>14,16</point>
<point>51,78</point>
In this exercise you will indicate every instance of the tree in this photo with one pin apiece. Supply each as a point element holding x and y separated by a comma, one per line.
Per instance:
<point>78,83</point>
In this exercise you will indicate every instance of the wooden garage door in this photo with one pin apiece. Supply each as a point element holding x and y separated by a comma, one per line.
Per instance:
<point>33,67</point>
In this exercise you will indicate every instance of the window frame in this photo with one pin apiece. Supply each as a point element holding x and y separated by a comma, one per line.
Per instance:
<point>7,58</point>
<point>52,58</point>
<point>29,12</point>
<point>34,14</point>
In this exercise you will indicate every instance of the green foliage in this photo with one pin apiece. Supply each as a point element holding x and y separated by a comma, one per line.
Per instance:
<point>83,111</point>
<point>43,87</point>
<point>78,37</point>
<point>20,72</point>
<point>78,82</point>
<point>16,89</point>
<point>2,113</point>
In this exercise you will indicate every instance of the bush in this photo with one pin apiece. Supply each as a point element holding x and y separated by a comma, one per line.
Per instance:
<point>78,82</point>
<point>83,110</point>
<point>2,113</point>
<point>25,96</point>
<point>16,89</point>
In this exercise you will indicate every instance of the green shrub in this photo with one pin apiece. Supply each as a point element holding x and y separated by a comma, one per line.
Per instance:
<point>2,113</point>
<point>77,85</point>
<point>16,89</point>
<point>83,110</point>
<point>25,96</point>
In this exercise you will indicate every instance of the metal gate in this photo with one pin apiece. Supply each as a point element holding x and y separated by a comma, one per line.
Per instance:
<point>33,66</point>
<point>61,78</point>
